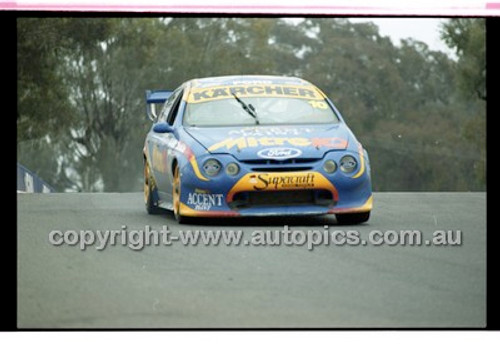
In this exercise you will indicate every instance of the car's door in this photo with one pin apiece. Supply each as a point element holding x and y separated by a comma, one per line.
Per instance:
<point>158,144</point>
<point>171,144</point>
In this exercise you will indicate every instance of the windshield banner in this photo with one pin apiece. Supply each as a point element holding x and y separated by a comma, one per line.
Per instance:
<point>198,95</point>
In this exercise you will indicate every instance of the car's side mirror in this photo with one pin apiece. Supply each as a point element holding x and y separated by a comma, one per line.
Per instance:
<point>162,128</point>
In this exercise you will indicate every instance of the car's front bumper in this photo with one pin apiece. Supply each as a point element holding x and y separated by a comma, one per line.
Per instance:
<point>228,196</point>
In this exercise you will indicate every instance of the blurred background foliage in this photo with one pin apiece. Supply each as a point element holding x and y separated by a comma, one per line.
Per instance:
<point>81,119</point>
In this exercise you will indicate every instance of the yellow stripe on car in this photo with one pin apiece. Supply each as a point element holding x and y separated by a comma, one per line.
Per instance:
<point>196,169</point>
<point>361,162</point>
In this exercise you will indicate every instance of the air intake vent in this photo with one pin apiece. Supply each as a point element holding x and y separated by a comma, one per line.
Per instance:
<point>282,169</point>
<point>280,162</point>
<point>250,199</point>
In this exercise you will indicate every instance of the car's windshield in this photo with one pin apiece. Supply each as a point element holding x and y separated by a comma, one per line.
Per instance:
<point>240,110</point>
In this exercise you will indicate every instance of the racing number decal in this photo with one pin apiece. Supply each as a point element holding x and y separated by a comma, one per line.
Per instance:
<point>318,104</point>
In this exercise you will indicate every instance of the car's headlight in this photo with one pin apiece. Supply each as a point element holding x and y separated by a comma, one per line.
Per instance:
<point>232,169</point>
<point>330,166</point>
<point>212,167</point>
<point>348,164</point>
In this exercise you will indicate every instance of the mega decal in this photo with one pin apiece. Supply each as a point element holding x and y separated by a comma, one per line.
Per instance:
<point>252,142</point>
<point>279,153</point>
<point>222,92</point>
<point>204,201</point>
<point>282,181</point>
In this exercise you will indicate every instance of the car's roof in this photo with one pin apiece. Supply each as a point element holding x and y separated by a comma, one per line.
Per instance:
<point>246,79</point>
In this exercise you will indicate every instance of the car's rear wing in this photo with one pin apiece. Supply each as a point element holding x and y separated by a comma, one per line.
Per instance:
<point>154,97</point>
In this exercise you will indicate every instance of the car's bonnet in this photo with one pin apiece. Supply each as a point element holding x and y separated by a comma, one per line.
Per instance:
<point>273,142</point>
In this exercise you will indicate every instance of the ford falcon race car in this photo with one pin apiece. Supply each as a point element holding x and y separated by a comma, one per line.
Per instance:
<point>253,146</point>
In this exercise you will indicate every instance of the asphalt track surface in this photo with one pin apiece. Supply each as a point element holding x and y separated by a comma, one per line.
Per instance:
<point>251,286</point>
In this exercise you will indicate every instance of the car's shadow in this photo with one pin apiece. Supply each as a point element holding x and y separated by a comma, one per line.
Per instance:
<point>298,220</point>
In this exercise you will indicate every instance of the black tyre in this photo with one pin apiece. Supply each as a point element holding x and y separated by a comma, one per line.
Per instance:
<point>352,218</point>
<point>149,192</point>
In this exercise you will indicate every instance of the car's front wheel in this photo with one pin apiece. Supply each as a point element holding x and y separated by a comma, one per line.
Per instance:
<point>352,218</point>
<point>150,192</point>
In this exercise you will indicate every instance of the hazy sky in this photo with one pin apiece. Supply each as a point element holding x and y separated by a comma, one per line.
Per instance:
<point>421,29</point>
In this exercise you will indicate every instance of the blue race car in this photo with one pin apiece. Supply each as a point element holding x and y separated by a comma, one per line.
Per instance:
<point>253,146</point>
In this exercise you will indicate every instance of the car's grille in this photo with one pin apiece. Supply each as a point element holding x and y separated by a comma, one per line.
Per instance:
<point>282,169</point>
<point>290,165</point>
<point>248,199</point>
<point>280,162</point>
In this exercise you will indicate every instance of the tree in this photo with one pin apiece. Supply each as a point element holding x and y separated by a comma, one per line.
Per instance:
<point>467,37</point>
<point>44,109</point>
<point>107,83</point>
<point>42,45</point>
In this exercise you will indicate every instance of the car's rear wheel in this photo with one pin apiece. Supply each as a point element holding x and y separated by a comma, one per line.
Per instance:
<point>352,218</point>
<point>176,196</point>
<point>149,192</point>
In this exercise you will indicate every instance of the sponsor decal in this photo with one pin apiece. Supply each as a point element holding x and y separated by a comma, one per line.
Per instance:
<point>257,81</point>
<point>282,181</point>
<point>271,132</point>
<point>246,81</point>
<point>253,142</point>
<point>267,181</point>
<point>204,201</point>
<point>279,153</point>
<point>221,92</point>
<point>174,144</point>
<point>159,160</point>
<point>197,190</point>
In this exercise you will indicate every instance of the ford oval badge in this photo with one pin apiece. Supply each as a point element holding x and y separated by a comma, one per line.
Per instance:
<point>279,153</point>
